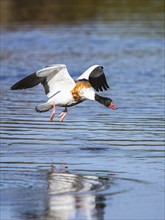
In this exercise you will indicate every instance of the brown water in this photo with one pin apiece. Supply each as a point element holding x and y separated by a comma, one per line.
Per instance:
<point>115,159</point>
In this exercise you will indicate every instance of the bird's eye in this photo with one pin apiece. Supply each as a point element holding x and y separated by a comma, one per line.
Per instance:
<point>101,67</point>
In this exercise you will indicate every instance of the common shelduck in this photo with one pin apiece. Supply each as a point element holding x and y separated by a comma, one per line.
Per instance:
<point>63,91</point>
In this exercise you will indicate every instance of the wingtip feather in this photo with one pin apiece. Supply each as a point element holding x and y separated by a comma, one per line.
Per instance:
<point>28,82</point>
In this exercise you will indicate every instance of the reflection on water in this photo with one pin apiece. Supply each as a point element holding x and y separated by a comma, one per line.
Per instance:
<point>65,196</point>
<point>127,38</point>
<point>70,193</point>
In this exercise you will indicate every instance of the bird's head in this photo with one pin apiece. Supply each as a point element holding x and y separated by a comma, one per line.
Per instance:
<point>109,104</point>
<point>105,101</point>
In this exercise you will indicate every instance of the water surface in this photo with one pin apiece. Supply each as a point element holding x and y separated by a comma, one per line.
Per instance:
<point>98,163</point>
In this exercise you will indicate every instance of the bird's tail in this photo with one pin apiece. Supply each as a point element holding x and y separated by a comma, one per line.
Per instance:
<point>43,107</point>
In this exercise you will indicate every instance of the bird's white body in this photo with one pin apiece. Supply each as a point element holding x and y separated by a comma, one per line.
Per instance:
<point>63,98</point>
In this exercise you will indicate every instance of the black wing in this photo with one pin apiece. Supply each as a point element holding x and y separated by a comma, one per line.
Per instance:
<point>28,82</point>
<point>97,79</point>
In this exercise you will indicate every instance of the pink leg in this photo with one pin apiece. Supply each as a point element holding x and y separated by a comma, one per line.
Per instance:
<point>63,114</point>
<point>53,112</point>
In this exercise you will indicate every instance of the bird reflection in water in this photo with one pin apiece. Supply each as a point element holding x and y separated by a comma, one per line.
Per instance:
<point>71,195</point>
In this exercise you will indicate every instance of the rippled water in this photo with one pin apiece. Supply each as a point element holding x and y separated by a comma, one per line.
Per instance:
<point>98,163</point>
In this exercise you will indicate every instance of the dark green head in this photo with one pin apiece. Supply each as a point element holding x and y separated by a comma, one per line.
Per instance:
<point>105,101</point>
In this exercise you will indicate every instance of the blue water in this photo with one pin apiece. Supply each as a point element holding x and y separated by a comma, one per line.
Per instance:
<point>98,163</point>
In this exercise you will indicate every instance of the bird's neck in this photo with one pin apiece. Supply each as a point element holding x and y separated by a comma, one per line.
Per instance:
<point>100,99</point>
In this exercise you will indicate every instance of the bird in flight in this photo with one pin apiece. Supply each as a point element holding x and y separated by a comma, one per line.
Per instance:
<point>63,91</point>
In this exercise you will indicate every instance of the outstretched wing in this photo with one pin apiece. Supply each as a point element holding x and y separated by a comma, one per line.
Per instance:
<point>54,78</point>
<point>96,77</point>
